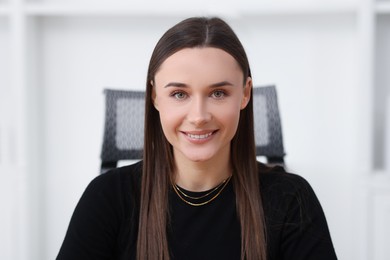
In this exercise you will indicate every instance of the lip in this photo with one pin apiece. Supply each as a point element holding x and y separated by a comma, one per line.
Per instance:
<point>199,136</point>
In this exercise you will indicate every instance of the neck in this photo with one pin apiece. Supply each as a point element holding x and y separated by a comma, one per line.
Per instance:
<point>201,176</point>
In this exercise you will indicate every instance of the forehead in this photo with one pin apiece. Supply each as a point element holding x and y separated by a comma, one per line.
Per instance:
<point>200,59</point>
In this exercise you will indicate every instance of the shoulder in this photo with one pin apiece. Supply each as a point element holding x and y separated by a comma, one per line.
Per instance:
<point>104,216</point>
<point>283,192</point>
<point>109,197</point>
<point>130,174</point>
<point>278,179</point>
<point>116,185</point>
<point>296,224</point>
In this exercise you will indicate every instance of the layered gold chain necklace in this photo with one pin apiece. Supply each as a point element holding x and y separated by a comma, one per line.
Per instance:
<point>213,194</point>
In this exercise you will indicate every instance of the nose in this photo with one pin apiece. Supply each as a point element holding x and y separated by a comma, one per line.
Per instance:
<point>198,113</point>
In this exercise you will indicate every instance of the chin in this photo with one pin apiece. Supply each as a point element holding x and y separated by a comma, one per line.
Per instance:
<point>198,157</point>
<point>199,160</point>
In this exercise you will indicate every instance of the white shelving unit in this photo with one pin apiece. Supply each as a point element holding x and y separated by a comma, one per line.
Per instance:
<point>56,56</point>
<point>381,213</point>
<point>298,8</point>
<point>380,183</point>
<point>382,7</point>
<point>54,8</point>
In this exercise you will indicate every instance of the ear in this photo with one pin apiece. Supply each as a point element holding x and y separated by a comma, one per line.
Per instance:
<point>154,96</point>
<point>246,93</point>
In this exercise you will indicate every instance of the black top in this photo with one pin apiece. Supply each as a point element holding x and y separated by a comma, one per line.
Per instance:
<point>105,222</point>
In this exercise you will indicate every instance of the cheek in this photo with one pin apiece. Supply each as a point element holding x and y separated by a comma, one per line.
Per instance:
<point>170,118</point>
<point>163,109</point>
<point>229,116</point>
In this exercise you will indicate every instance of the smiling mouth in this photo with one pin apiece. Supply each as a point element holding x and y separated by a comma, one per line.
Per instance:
<point>200,137</point>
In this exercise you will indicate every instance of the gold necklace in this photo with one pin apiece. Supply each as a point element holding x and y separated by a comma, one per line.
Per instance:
<point>200,197</point>
<point>181,194</point>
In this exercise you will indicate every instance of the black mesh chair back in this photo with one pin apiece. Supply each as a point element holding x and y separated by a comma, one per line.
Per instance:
<point>268,127</point>
<point>124,126</point>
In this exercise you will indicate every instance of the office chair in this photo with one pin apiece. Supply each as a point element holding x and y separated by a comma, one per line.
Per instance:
<point>123,127</point>
<point>124,124</point>
<point>267,124</point>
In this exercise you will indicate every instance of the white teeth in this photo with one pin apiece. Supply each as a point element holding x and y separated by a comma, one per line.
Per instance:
<point>199,136</point>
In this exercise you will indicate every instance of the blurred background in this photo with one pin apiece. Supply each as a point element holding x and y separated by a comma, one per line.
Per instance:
<point>329,60</point>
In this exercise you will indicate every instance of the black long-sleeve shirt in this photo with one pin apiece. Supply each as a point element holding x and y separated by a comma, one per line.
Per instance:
<point>104,224</point>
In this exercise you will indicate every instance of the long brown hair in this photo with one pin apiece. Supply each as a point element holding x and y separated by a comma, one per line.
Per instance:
<point>158,163</point>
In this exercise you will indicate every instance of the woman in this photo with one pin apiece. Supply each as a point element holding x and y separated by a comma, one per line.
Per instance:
<point>199,192</point>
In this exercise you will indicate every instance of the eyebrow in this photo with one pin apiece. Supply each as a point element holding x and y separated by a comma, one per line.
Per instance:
<point>214,85</point>
<point>175,84</point>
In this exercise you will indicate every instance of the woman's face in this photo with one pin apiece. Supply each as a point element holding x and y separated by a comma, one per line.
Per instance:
<point>199,93</point>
